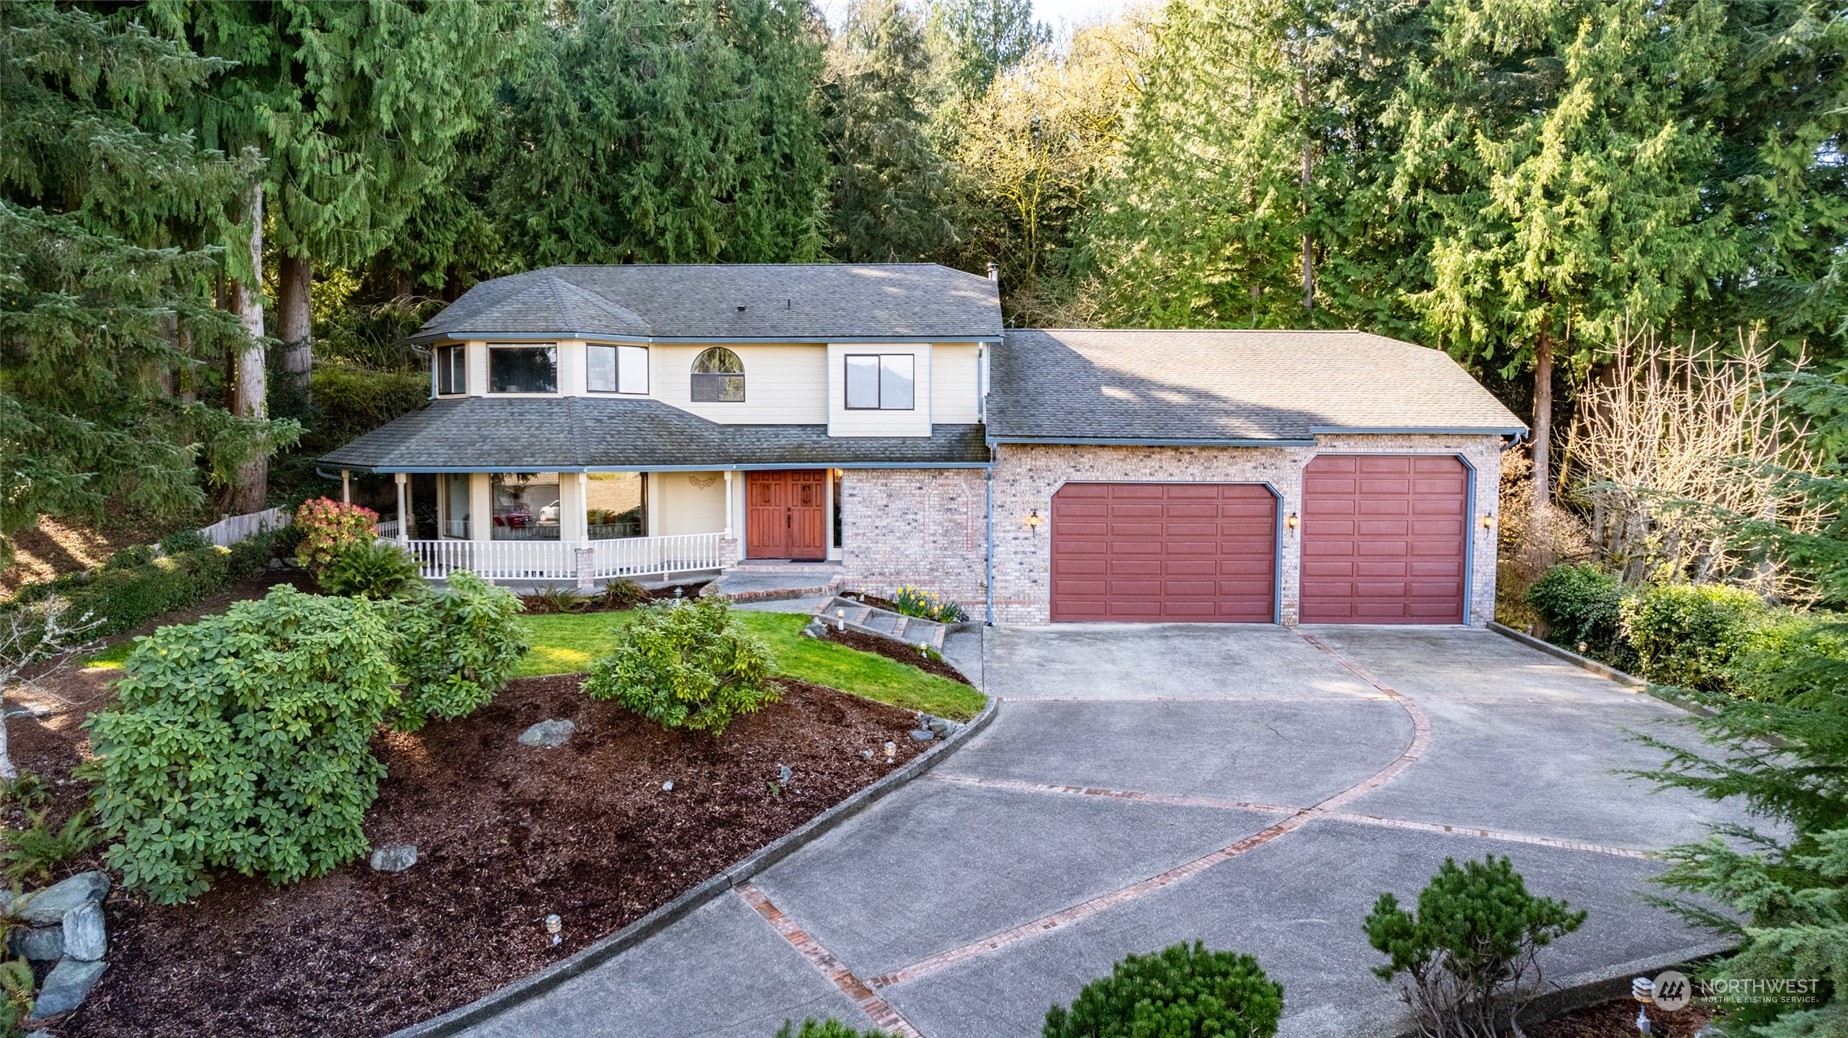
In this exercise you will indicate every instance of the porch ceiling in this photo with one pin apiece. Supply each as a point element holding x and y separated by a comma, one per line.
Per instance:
<point>489,434</point>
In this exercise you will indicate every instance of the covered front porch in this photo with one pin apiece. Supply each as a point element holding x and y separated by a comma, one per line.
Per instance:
<point>586,528</point>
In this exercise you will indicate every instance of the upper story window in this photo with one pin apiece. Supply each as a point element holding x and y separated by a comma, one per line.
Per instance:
<point>523,369</point>
<point>451,369</point>
<point>718,377</point>
<point>616,369</point>
<point>881,382</point>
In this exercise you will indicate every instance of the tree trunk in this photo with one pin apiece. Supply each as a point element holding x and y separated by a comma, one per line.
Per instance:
<point>1302,99</point>
<point>1543,424</point>
<point>294,321</point>
<point>249,371</point>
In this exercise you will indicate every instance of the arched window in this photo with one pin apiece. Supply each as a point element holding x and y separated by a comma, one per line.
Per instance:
<point>718,377</point>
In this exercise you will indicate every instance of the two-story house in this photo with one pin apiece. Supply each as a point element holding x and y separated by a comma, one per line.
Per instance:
<point>877,422</point>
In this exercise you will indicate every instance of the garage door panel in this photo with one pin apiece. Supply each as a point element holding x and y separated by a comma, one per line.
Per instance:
<point>1171,551</point>
<point>1384,539</point>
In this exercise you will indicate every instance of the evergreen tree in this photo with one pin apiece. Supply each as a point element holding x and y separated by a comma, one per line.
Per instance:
<point>108,326</point>
<point>1202,221</point>
<point>668,131</point>
<point>356,107</point>
<point>890,186</point>
<point>1554,153</point>
<point>982,39</point>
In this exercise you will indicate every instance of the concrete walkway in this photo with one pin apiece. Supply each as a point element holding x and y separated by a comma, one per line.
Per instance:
<point>1252,787</point>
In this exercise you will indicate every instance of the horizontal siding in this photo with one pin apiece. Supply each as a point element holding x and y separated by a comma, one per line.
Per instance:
<point>955,396</point>
<point>842,422</point>
<point>677,505</point>
<point>783,384</point>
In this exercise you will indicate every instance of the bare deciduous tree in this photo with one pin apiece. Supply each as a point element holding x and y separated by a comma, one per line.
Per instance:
<point>32,634</point>
<point>1678,445</point>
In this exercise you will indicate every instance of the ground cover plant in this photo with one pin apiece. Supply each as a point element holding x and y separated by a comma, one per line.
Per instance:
<point>1180,990</point>
<point>571,643</point>
<point>1468,953</point>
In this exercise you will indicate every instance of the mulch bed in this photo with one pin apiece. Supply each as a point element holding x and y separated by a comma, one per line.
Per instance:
<point>506,835</point>
<point>1617,1019</point>
<point>872,600</point>
<point>894,651</point>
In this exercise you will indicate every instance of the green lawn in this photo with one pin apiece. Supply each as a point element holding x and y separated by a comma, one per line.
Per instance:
<point>565,643</point>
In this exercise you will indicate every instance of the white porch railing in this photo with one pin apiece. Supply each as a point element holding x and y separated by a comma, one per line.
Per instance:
<point>639,556</point>
<point>558,560</point>
<point>388,530</point>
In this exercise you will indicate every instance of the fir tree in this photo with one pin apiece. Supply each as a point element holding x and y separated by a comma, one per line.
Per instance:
<point>108,328</point>
<point>982,39</point>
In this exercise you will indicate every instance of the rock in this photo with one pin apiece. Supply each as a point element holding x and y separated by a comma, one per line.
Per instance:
<point>40,1034</point>
<point>547,734</point>
<point>33,710</point>
<point>84,936</point>
<point>38,943</point>
<point>275,563</point>
<point>48,906</point>
<point>866,755</point>
<point>923,735</point>
<point>784,774</point>
<point>939,725</point>
<point>394,857</point>
<point>69,982</point>
<point>668,786</point>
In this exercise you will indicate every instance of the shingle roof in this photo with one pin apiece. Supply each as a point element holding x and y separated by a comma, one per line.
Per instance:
<point>572,433</point>
<point>772,302</point>
<point>1215,386</point>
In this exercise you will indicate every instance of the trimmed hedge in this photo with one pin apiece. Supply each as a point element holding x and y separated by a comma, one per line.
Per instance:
<point>124,596</point>
<point>1581,606</point>
<point>1689,634</point>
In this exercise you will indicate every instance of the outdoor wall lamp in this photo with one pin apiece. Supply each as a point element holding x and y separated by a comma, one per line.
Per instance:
<point>1488,522</point>
<point>1033,519</point>
<point>1291,520</point>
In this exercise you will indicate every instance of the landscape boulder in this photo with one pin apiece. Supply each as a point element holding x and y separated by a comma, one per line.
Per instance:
<point>394,857</point>
<point>84,936</point>
<point>66,987</point>
<point>547,734</point>
<point>47,907</point>
<point>36,943</point>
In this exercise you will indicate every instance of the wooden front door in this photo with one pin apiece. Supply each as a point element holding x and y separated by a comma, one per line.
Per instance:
<point>786,514</point>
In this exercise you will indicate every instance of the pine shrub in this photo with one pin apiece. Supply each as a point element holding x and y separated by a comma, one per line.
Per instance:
<point>456,649</point>
<point>1180,991</point>
<point>685,665</point>
<point>1689,634</point>
<point>1469,953</point>
<point>242,742</point>
<point>830,1028</point>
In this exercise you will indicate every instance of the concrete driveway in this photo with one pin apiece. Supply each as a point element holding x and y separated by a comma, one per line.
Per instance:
<point>1252,787</point>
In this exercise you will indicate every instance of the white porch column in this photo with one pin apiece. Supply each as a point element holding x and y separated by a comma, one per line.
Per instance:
<point>346,487</point>
<point>403,481</point>
<point>728,504</point>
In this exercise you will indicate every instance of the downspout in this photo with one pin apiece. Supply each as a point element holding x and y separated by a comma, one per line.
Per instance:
<point>988,589</point>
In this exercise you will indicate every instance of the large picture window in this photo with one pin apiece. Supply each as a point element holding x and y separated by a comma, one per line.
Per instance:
<point>615,504</point>
<point>526,506</point>
<point>523,369</point>
<point>880,382</point>
<point>718,377</point>
<point>451,369</point>
<point>617,369</point>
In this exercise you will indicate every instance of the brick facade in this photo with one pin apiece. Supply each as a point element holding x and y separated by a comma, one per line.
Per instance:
<point>927,527</point>
<point>922,527</point>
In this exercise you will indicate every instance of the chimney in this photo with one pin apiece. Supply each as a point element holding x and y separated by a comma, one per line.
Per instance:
<point>994,271</point>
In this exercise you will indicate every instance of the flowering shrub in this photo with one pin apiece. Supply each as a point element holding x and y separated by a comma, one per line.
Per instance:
<point>327,526</point>
<point>927,605</point>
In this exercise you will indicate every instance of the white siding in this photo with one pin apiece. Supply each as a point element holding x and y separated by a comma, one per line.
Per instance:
<point>843,422</point>
<point>784,384</point>
<point>678,505</point>
<point>955,391</point>
<point>571,367</point>
<point>477,368</point>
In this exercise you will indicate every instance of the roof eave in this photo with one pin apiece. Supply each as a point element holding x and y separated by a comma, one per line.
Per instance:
<point>427,337</point>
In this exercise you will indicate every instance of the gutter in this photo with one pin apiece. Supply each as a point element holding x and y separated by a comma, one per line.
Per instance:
<point>988,586</point>
<point>1162,441</point>
<point>709,467</point>
<point>560,335</point>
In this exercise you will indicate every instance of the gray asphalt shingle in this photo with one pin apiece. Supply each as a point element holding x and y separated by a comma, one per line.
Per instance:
<point>1227,385</point>
<point>769,302</point>
<point>571,433</point>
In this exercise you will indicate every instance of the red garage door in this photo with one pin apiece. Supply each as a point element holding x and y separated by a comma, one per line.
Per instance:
<point>1202,552</point>
<point>1384,539</point>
